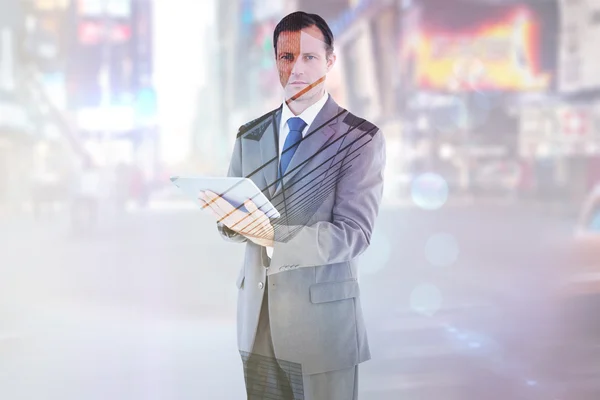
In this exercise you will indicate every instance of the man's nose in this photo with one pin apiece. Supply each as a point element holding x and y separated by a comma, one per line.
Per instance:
<point>298,68</point>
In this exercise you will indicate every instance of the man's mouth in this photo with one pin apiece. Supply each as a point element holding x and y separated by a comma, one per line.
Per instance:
<point>306,89</point>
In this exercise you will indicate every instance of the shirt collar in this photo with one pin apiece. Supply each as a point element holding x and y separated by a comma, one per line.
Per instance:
<point>308,115</point>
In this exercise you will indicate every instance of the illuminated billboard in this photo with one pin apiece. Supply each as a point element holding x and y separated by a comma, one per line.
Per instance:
<point>500,52</point>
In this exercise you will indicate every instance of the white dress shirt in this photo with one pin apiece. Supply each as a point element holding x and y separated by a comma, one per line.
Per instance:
<point>308,116</point>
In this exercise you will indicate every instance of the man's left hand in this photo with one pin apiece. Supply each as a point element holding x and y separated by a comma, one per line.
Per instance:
<point>254,224</point>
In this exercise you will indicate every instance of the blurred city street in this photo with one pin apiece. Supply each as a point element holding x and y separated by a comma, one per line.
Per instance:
<point>482,278</point>
<point>145,308</point>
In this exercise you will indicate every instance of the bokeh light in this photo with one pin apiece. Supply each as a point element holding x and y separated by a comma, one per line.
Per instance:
<point>429,191</point>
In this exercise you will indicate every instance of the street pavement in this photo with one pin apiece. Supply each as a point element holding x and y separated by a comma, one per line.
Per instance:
<point>458,303</point>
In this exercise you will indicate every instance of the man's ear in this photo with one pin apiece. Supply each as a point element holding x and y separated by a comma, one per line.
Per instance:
<point>331,61</point>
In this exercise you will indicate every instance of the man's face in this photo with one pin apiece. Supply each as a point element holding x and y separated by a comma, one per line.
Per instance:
<point>302,63</point>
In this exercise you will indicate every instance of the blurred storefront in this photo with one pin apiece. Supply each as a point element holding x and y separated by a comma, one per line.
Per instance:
<point>461,74</point>
<point>579,30</point>
<point>562,143</point>
<point>109,79</point>
<point>559,137</point>
<point>81,72</point>
<point>17,141</point>
<point>17,133</point>
<point>577,120</point>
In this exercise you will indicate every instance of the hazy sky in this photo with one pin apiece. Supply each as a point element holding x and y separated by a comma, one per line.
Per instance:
<point>180,69</point>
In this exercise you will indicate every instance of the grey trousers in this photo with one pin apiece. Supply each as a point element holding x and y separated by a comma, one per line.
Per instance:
<point>272,379</point>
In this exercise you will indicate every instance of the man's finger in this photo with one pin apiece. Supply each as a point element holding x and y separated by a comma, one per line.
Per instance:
<point>215,213</point>
<point>260,223</point>
<point>258,215</point>
<point>220,205</point>
<point>203,204</point>
<point>258,229</point>
<point>252,210</point>
<point>204,200</point>
<point>250,206</point>
<point>232,217</point>
<point>220,202</point>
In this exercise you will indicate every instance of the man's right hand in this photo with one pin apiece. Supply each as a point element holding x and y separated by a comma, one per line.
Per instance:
<point>254,224</point>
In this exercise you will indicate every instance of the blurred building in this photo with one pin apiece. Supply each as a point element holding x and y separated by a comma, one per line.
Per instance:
<point>18,134</point>
<point>485,83</point>
<point>76,81</point>
<point>467,68</point>
<point>59,150</point>
<point>576,127</point>
<point>560,138</point>
<point>367,37</point>
<point>109,80</point>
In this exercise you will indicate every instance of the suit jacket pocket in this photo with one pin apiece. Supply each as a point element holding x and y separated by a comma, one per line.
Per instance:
<point>240,280</point>
<point>332,291</point>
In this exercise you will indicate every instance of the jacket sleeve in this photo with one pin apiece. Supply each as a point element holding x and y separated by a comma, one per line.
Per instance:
<point>358,195</point>
<point>235,169</point>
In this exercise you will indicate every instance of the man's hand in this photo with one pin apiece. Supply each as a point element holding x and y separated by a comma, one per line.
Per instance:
<point>254,224</point>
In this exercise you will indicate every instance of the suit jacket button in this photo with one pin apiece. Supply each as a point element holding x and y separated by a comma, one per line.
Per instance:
<point>261,285</point>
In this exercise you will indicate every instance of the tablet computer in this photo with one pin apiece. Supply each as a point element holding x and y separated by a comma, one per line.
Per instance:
<point>233,189</point>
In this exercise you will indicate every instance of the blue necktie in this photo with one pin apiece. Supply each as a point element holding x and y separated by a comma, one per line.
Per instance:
<point>292,141</point>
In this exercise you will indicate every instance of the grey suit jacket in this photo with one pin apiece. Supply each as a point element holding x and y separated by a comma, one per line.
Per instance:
<point>328,202</point>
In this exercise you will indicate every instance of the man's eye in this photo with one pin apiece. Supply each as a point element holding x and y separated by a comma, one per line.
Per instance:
<point>310,57</point>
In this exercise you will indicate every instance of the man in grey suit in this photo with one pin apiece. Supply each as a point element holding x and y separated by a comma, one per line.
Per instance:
<point>300,325</point>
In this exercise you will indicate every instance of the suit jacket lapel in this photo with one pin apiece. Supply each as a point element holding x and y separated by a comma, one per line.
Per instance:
<point>321,130</point>
<point>269,149</point>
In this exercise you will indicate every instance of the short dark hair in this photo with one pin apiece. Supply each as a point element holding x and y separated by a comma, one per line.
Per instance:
<point>299,20</point>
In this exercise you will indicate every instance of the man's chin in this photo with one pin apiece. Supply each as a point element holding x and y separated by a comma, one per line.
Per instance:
<point>295,94</point>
